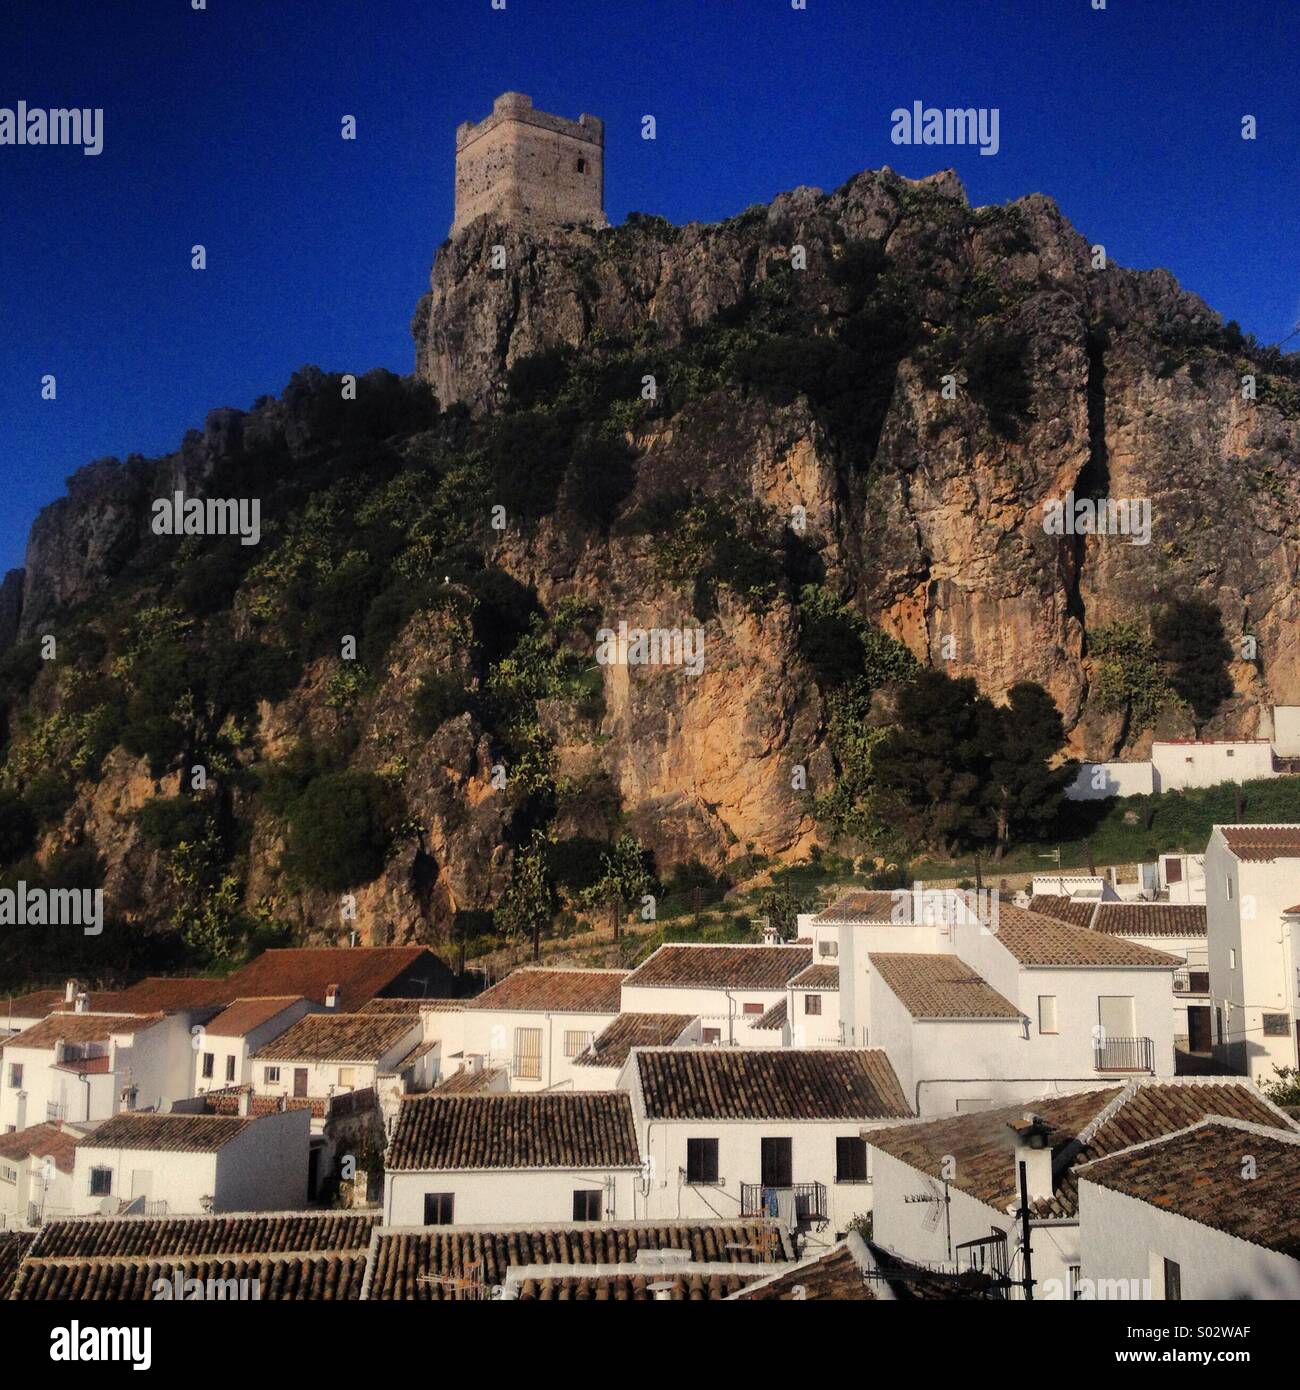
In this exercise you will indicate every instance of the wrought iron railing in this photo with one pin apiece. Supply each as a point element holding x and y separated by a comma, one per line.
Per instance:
<point>1124,1054</point>
<point>762,1199</point>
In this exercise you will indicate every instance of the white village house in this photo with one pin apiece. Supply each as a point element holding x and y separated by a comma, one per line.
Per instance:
<point>466,1159</point>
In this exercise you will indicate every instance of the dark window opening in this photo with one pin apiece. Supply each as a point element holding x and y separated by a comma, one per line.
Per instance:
<point>850,1159</point>
<point>777,1162</point>
<point>702,1160</point>
<point>582,166</point>
<point>586,1205</point>
<point>438,1208</point>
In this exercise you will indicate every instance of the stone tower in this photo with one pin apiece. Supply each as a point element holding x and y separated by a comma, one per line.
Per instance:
<point>526,165</point>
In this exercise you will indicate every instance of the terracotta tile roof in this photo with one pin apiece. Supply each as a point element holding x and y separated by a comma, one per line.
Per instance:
<point>320,1278</point>
<point>1197,1175</point>
<point>34,1005</point>
<point>421,1049</point>
<point>1037,940</point>
<point>911,1283</point>
<point>1150,919</point>
<point>361,973</point>
<point>80,1028</point>
<point>1262,843</point>
<point>13,1246</point>
<point>633,1288</point>
<point>940,987</point>
<point>610,1049</point>
<point>714,1083</point>
<point>817,977</point>
<point>834,1275</point>
<point>774,1018</point>
<point>292,1255</point>
<point>1087,1124</point>
<point>469,1083</point>
<point>563,1129</point>
<point>1077,911</point>
<point>338,1037</point>
<point>721,967</point>
<point>533,989</point>
<point>174,1133</point>
<point>226,1102</point>
<point>1292,911</point>
<point>158,994</point>
<point>241,1016</point>
<point>401,1258</point>
<point>875,905</point>
<point>42,1141</point>
<point>249,1233</point>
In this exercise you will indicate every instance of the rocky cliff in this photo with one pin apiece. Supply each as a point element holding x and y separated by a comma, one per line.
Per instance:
<point>873,391</point>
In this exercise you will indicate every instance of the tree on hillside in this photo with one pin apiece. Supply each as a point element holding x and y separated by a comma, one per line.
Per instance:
<point>958,771</point>
<point>530,899</point>
<point>1189,636</point>
<point>1023,792</point>
<point>929,769</point>
<point>625,876</point>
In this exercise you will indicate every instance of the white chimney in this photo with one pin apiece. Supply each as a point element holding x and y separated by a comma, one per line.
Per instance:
<point>331,996</point>
<point>69,991</point>
<point>82,1004</point>
<point>1034,1151</point>
<point>244,1098</point>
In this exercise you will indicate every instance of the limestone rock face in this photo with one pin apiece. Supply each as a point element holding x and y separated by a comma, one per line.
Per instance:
<point>1132,390</point>
<point>947,550</point>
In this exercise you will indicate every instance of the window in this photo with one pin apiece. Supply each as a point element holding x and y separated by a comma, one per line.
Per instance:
<point>1229,883</point>
<point>702,1160</point>
<point>1232,958</point>
<point>1047,1013</point>
<point>1173,874</point>
<point>1173,1282</point>
<point>528,1054</point>
<point>438,1208</point>
<point>582,166</point>
<point>1230,751</point>
<point>347,1076</point>
<point>1073,1284</point>
<point>711,1035</point>
<point>1276,1025</point>
<point>586,1205</point>
<point>1198,981</point>
<point>230,1068</point>
<point>828,948</point>
<point>812,1003</point>
<point>576,1043</point>
<point>271,1076</point>
<point>850,1159</point>
<point>16,1075</point>
<point>754,1009</point>
<point>777,1162</point>
<point>8,1174</point>
<point>208,1061</point>
<point>101,1182</point>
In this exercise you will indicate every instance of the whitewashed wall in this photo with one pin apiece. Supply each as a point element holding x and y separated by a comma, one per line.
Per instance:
<point>490,1034</point>
<point>507,1198</point>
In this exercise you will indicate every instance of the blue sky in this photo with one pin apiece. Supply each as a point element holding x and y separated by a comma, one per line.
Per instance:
<point>222,127</point>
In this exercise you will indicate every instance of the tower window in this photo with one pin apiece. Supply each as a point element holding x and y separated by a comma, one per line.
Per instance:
<point>582,166</point>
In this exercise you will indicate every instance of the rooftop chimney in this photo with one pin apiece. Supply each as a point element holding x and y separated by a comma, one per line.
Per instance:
<point>1034,1151</point>
<point>244,1098</point>
<point>331,996</point>
<point>82,1004</point>
<point>69,991</point>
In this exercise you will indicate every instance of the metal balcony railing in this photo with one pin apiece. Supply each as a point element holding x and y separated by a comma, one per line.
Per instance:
<point>55,1112</point>
<point>805,1200</point>
<point>1124,1054</point>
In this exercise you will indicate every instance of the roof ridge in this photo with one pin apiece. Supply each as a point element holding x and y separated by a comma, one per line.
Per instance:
<point>1282,1136</point>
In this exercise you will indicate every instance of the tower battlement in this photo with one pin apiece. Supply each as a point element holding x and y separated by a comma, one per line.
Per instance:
<point>528,165</point>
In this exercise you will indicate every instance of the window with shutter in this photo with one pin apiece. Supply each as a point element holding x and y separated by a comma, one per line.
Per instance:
<point>701,1160</point>
<point>850,1159</point>
<point>528,1054</point>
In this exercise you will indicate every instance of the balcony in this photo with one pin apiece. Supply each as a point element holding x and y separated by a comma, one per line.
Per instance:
<point>798,1204</point>
<point>1124,1054</point>
<point>55,1112</point>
